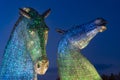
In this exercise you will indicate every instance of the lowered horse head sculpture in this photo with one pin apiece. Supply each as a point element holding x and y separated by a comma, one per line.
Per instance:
<point>38,34</point>
<point>25,53</point>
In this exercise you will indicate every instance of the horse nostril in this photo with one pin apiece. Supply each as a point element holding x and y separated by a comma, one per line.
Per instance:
<point>100,22</point>
<point>38,65</point>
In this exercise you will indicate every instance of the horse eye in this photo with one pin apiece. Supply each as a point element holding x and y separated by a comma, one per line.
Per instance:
<point>30,31</point>
<point>38,65</point>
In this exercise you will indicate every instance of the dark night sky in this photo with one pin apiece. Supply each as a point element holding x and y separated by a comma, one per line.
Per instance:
<point>103,51</point>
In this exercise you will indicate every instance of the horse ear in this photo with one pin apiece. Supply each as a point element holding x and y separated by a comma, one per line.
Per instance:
<point>46,13</point>
<point>24,13</point>
<point>60,31</point>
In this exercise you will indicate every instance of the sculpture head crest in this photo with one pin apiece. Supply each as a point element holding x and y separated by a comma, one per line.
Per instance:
<point>31,13</point>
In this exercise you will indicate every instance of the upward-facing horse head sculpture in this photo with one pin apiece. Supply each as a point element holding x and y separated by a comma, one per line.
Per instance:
<point>72,64</point>
<point>25,53</point>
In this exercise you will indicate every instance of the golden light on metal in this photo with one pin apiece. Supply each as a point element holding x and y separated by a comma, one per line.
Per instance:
<point>103,28</point>
<point>41,67</point>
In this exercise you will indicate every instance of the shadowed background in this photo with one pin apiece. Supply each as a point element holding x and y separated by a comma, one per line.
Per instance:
<point>103,51</point>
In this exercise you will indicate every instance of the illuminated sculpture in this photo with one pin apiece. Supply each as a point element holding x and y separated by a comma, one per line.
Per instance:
<point>25,54</point>
<point>72,65</point>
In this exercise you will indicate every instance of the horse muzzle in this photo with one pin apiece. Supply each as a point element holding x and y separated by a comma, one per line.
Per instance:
<point>103,28</point>
<point>41,67</point>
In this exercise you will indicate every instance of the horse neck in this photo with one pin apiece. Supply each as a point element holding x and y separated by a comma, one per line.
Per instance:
<point>17,37</point>
<point>70,59</point>
<point>65,48</point>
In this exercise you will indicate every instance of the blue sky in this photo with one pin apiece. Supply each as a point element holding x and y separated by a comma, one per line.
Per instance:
<point>103,50</point>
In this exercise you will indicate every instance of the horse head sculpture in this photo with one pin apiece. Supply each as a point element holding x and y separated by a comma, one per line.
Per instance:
<point>38,34</point>
<point>25,53</point>
<point>72,65</point>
